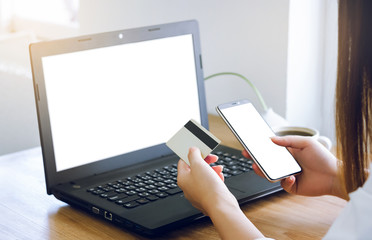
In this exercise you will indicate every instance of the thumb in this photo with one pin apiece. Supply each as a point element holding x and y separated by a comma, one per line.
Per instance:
<point>195,156</point>
<point>291,141</point>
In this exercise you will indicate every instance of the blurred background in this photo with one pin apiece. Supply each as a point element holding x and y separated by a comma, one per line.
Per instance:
<point>287,48</point>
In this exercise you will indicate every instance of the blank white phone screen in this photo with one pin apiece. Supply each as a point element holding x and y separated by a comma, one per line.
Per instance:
<point>108,101</point>
<point>255,134</point>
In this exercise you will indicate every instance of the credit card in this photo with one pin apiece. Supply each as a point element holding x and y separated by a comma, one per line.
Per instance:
<point>192,134</point>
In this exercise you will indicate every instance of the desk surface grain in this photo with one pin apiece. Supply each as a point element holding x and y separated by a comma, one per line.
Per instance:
<point>27,212</point>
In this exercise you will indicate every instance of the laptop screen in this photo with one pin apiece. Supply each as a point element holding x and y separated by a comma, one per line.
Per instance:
<point>108,101</point>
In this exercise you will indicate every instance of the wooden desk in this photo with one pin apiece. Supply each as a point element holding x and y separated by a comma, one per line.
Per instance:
<point>27,212</point>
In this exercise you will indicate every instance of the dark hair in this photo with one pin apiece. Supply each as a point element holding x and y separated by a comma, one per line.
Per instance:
<point>354,91</point>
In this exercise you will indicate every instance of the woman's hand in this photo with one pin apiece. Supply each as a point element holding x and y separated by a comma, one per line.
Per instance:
<point>319,168</point>
<point>207,192</point>
<point>200,183</point>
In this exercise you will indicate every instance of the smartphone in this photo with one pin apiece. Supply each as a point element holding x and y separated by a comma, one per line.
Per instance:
<point>276,162</point>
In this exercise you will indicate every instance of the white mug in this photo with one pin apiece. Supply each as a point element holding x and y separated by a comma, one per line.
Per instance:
<point>304,131</point>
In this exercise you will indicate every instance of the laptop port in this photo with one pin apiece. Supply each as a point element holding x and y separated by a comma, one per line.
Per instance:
<point>108,215</point>
<point>95,210</point>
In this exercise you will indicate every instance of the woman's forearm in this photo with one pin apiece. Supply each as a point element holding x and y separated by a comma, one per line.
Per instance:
<point>231,223</point>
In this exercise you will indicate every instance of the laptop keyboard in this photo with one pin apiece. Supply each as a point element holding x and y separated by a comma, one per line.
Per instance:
<point>160,183</point>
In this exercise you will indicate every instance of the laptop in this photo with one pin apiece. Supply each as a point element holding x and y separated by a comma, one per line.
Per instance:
<point>106,105</point>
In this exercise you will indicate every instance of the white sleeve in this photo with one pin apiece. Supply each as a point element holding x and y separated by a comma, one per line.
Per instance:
<point>355,220</point>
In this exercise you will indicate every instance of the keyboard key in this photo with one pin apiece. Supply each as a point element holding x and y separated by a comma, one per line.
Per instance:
<point>131,187</point>
<point>144,194</point>
<point>169,176</point>
<point>164,188</point>
<point>236,172</point>
<point>141,184</point>
<point>107,195</point>
<point>244,164</point>
<point>227,159</point>
<point>98,192</point>
<point>231,163</point>
<point>150,187</point>
<point>167,168</point>
<point>226,175</point>
<point>235,167</point>
<point>139,190</point>
<point>130,199</point>
<point>158,179</point>
<point>172,185</point>
<point>174,191</point>
<point>126,183</point>
<point>107,189</point>
<point>131,193</point>
<point>117,186</point>
<point>220,162</point>
<point>162,194</point>
<point>146,178</point>
<point>142,201</point>
<point>134,179</point>
<point>154,191</point>
<point>131,204</point>
<point>149,182</point>
<point>91,189</point>
<point>152,198</point>
<point>245,169</point>
<point>120,202</point>
<point>120,190</point>
<point>162,172</point>
<point>143,176</point>
<point>153,174</point>
<point>117,197</point>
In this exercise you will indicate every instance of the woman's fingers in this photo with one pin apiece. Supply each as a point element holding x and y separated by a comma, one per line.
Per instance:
<point>211,158</point>
<point>246,154</point>
<point>218,169</point>
<point>257,170</point>
<point>288,184</point>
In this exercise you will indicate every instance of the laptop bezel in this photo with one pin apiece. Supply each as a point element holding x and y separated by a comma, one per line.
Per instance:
<point>49,48</point>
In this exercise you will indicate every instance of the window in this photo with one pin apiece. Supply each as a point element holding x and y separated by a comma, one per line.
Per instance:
<point>47,19</point>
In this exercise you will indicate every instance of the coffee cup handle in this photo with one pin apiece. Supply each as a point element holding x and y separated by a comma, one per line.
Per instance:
<point>325,141</point>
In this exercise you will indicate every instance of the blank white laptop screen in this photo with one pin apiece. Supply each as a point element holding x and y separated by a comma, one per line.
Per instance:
<point>108,101</point>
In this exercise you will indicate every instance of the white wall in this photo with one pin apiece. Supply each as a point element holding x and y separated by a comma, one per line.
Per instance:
<point>244,36</point>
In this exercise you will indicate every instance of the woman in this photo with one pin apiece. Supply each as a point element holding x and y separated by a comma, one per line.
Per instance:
<point>323,174</point>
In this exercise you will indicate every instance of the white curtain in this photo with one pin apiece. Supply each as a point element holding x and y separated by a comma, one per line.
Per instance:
<point>312,62</point>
